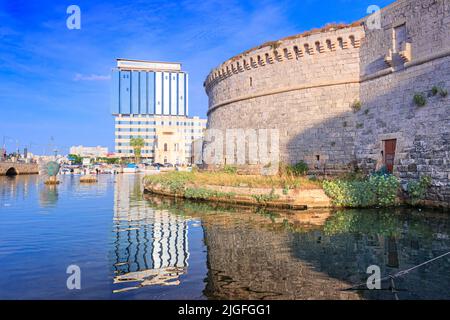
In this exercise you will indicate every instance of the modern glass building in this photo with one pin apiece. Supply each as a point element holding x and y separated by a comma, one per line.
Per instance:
<point>150,100</point>
<point>149,88</point>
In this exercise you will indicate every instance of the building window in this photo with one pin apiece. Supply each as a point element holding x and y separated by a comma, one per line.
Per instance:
<point>165,146</point>
<point>251,82</point>
<point>400,37</point>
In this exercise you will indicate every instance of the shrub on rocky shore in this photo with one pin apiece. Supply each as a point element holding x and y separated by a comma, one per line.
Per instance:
<point>375,190</point>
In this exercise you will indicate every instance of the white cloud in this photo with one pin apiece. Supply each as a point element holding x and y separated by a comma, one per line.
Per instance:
<point>92,77</point>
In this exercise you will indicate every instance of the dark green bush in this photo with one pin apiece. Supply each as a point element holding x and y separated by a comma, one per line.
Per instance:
<point>417,189</point>
<point>381,172</point>
<point>298,169</point>
<point>376,190</point>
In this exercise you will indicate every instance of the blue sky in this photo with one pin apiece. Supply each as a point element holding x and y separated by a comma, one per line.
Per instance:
<point>54,82</point>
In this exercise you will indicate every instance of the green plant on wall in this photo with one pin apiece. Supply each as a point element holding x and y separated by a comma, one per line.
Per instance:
<point>435,90</point>
<point>419,100</point>
<point>417,189</point>
<point>439,90</point>
<point>356,105</point>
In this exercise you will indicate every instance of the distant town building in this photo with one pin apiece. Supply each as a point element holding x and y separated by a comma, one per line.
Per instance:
<point>91,152</point>
<point>150,100</point>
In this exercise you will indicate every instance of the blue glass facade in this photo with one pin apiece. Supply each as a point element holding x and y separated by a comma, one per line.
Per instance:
<point>149,93</point>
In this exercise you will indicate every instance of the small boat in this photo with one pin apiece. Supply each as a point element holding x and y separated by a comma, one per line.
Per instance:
<point>131,168</point>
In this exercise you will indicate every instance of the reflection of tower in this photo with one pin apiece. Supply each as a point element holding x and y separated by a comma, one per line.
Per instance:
<point>151,246</point>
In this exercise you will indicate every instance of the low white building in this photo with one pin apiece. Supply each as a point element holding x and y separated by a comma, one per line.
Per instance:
<point>92,152</point>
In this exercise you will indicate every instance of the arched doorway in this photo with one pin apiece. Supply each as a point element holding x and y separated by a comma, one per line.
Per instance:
<point>11,172</point>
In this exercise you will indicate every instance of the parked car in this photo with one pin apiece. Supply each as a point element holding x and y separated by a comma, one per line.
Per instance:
<point>157,164</point>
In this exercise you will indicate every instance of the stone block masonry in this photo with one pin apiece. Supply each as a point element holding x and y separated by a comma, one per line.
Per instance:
<point>15,168</point>
<point>306,85</point>
<point>294,86</point>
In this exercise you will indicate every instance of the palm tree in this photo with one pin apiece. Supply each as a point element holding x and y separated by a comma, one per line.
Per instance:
<point>137,144</point>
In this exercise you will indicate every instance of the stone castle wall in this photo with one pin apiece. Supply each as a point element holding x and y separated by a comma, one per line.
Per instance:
<point>387,90</point>
<point>296,86</point>
<point>305,86</point>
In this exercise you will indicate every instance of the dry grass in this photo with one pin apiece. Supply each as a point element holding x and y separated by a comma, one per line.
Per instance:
<point>198,179</point>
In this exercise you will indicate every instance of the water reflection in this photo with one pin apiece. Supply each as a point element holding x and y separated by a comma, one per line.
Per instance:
<point>14,189</point>
<point>258,254</point>
<point>48,196</point>
<point>135,246</point>
<point>151,246</point>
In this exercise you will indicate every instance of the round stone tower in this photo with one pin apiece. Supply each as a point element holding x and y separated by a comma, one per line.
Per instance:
<point>304,86</point>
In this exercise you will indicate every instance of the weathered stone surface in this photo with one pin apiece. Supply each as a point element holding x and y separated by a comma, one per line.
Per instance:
<point>18,168</point>
<point>305,87</point>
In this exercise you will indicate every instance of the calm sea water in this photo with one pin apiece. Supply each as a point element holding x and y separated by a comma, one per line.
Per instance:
<point>129,245</point>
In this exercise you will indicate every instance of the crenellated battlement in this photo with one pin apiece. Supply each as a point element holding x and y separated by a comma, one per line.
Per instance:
<point>331,38</point>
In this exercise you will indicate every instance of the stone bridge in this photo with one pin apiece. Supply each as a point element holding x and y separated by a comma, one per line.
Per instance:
<point>15,168</point>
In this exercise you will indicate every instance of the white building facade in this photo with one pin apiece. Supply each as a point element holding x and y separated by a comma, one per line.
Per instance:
<point>89,152</point>
<point>150,99</point>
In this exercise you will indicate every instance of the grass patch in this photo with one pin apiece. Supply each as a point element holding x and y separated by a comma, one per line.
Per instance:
<point>204,193</point>
<point>261,198</point>
<point>178,181</point>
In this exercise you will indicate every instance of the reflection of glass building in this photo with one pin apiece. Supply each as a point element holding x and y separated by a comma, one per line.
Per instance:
<point>150,246</point>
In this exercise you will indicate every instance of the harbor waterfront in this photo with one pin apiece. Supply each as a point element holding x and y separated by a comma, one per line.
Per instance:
<point>131,245</point>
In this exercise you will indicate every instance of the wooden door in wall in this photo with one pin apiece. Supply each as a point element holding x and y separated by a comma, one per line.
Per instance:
<point>389,154</point>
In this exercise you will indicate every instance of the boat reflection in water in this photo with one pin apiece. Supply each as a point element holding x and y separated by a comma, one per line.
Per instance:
<point>151,246</point>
